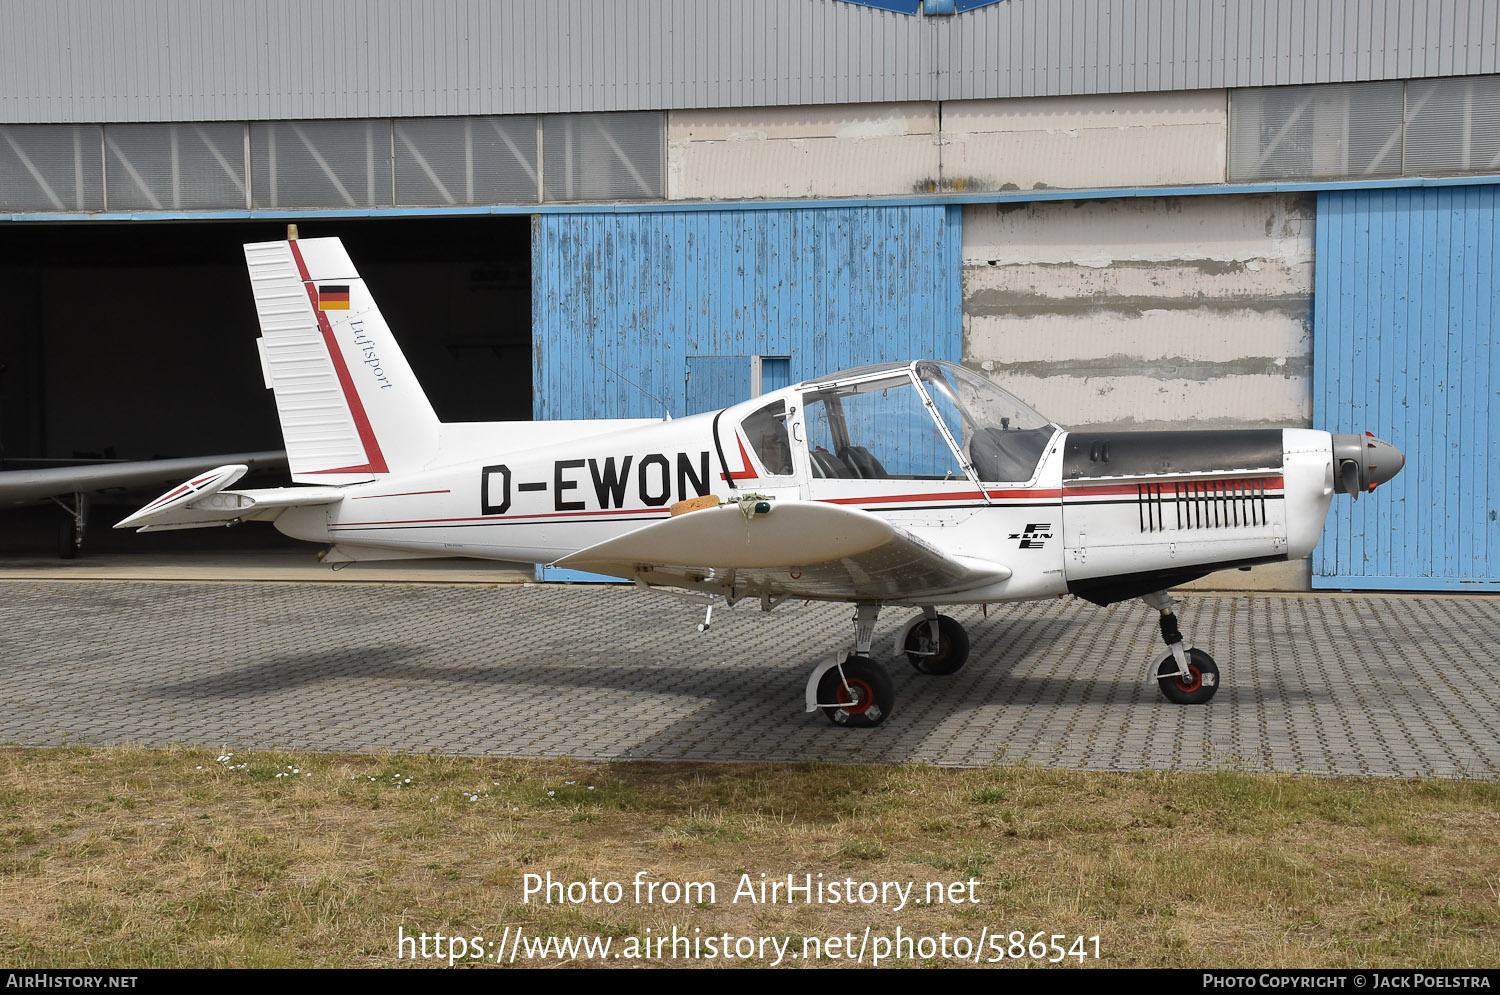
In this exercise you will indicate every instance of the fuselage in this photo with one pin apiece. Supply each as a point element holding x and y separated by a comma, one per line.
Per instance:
<point>1107,516</point>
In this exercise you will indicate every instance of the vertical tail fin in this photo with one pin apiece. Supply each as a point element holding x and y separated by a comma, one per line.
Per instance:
<point>349,405</point>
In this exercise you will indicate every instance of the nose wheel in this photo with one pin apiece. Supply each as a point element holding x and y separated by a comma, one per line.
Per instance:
<point>1185,674</point>
<point>1194,688</point>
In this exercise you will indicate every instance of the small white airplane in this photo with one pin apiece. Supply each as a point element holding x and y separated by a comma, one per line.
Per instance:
<point>916,484</point>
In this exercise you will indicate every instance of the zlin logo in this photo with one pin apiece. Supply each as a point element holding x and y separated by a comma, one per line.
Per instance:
<point>1034,536</point>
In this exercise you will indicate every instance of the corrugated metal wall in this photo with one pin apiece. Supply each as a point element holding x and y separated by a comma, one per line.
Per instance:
<point>147,60</point>
<point>1040,47</point>
<point>631,297</point>
<point>73,61</point>
<point>1405,321</point>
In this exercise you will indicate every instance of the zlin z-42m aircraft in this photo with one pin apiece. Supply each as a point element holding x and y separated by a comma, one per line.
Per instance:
<point>915,484</point>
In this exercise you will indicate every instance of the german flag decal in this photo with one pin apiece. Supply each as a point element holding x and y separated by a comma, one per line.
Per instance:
<point>332,298</point>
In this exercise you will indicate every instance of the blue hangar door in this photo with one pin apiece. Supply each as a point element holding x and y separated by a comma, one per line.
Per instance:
<point>634,314</point>
<point>701,309</point>
<point>1405,319</point>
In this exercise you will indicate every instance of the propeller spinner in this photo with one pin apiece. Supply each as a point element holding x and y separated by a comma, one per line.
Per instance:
<point>1362,462</point>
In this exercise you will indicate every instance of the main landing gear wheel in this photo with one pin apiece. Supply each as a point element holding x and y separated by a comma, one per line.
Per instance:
<point>863,692</point>
<point>67,538</point>
<point>950,653</point>
<point>1195,689</point>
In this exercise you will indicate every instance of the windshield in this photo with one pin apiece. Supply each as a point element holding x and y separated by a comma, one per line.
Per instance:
<point>766,430</point>
<point>1004,438</point>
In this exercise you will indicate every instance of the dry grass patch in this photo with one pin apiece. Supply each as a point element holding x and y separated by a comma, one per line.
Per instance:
<point>134,857</point>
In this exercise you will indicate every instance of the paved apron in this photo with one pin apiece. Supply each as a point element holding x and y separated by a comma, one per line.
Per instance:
<point>1319,684</point>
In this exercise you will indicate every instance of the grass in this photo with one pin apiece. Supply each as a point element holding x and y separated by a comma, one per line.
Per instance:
<point>162,858</point>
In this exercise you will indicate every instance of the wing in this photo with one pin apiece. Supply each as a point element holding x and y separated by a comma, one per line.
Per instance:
<point>26,486</point>
<point>799,548</point>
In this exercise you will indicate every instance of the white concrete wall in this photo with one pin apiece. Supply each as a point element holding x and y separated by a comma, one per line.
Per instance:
<point>854,150</point>
<point>1148,313</point>
<point>1184,312</point>
<point>1119,140</point>
<point>850,150</point>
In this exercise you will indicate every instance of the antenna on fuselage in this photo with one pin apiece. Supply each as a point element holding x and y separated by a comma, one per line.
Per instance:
<point>665,409</point>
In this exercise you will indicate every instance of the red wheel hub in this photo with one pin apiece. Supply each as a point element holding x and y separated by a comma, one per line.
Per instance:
<point>1193,682</point>
<point>860,702</point>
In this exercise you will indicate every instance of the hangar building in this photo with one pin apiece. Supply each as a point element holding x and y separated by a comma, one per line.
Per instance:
<point>1133,213</point>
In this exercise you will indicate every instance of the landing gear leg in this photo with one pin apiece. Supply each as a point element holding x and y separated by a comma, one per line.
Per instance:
<point>1186,675</point>
<point>853,690</point>
<point>70,529</point>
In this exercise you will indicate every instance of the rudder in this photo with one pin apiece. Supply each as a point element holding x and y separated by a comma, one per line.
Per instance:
<point>349,405</point>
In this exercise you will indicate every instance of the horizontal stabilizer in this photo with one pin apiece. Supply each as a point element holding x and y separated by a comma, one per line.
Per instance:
<point>203,501</point>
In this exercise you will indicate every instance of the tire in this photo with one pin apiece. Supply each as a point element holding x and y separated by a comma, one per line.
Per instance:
<point>67,542</point>
<point>1202,687</point>
<point>952,648</point>
<point>874,694</point>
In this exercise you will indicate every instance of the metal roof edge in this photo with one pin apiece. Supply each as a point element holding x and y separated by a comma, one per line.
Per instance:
<point>653,207</point>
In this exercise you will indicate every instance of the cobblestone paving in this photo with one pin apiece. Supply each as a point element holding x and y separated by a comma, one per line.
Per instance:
<point>1316,683</point>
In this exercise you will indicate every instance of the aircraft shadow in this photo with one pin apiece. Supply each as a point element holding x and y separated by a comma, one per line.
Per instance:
<point>626,671</point>
<point>716,710</point>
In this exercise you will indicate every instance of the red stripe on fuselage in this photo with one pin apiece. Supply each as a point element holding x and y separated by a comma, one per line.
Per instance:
<point>1022,493</point>
<point>745,474</point>
<point>367,438</point>
<point>1052,494</point>
<point>1171,487</point>
<point>367,497</point>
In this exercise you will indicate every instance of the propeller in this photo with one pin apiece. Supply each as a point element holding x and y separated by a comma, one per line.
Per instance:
<point>1349,478</point>
<point>1364,462</point>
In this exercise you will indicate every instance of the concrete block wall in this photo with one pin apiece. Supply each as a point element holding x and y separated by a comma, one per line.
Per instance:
<point>858,150</point>
<point>1148,313</point>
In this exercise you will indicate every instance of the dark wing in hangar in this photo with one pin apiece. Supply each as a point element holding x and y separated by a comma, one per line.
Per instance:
<point>71,486</point>
<point>32,486</point>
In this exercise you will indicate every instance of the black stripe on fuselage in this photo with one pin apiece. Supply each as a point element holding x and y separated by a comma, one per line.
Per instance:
<point>1090,455</point>
<point>1070,502</point>
<point>719,448</point>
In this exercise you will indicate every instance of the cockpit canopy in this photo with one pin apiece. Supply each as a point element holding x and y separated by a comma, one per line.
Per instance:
<point>910,421</point>
<point>1003,437</point>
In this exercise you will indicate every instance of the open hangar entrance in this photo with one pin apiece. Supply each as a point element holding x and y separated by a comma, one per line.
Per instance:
<point>136,340</point>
